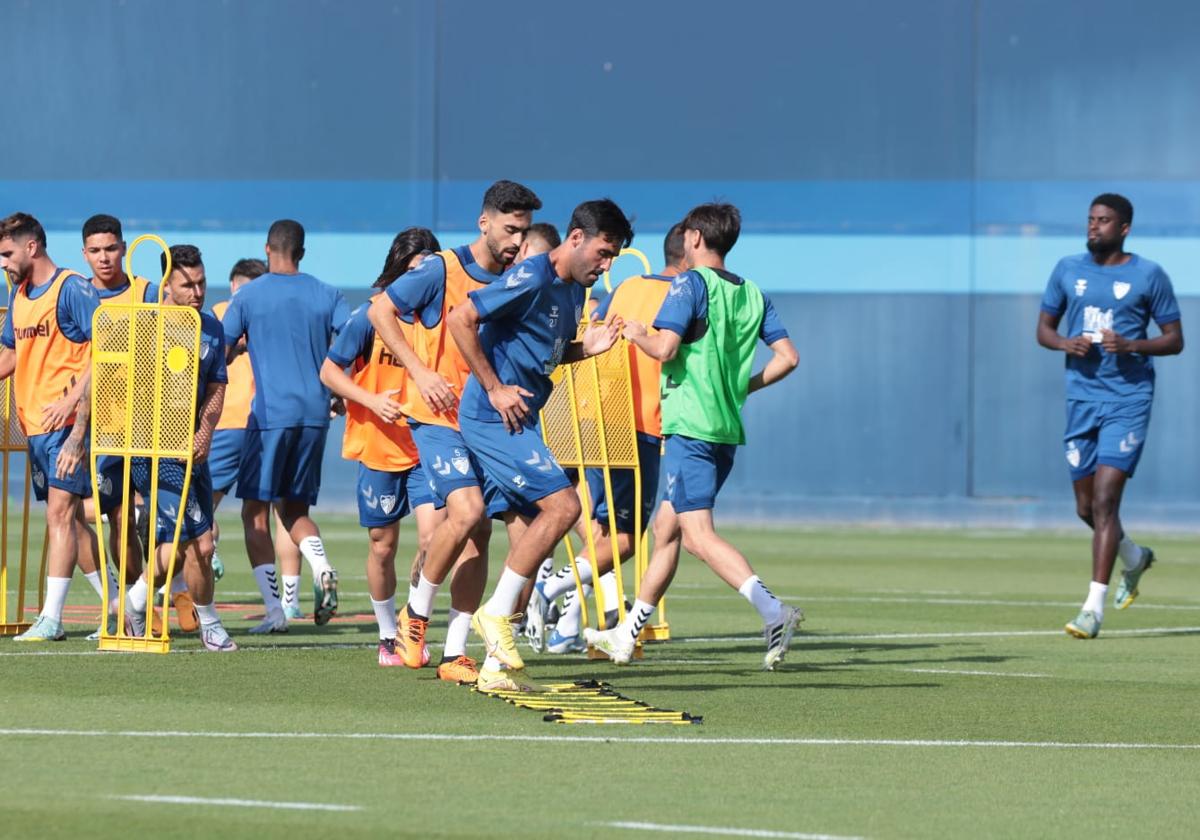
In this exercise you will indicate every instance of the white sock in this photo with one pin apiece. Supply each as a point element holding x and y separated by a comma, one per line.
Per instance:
<point>563,582</point>
<point>314,552</point>
<point>546,569</point>
<point>768,606</point>
<point>94,579</point>
<point>268,585</point>
<point>385,617</point>
<point>492,664</point>
<point>608,587</point>
<point>135,598</point>
<point>1130,553</point>
<point>458,626</point>
<point>421,603</point>
<point>412,593</point>
<point>291,591</point>
<point>636,618</point>
<point>505,595</point>
<point>208,614</point>
<point>568,619</point>
<point>1095,599</point>
<point>56,597</point>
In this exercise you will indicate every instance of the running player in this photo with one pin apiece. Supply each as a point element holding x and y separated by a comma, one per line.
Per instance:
<point>529,321</point>
<point>46,342</point>
<point>289,319</point>
<point>1109,297</point>
<point>635,299</point>
<point>411,320</point>
<point>390,479</point>
<point>186,286</point>
<point>707,331</point>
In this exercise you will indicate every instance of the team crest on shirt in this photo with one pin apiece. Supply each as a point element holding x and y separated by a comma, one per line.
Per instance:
<point>1120,289</point>
<point>387,503</point>
<point>1073,454</point>
<point>460,461</point>
<point>1080,287</point>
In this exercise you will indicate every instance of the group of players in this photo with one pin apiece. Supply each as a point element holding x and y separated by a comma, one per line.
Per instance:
<point>442,375</point>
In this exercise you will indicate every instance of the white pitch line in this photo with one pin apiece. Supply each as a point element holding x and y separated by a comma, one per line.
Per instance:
<point>699,740</point>
<point>961,602</point>
<point>237,803</point>
<point>970,673</point>
<point>723,832</point>
<point>801,638</point>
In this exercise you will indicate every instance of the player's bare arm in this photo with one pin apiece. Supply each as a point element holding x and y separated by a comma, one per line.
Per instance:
<point>381,404</point>
<point>661,345</point>
<point>210,413</point>
<point>508,400</point>
<point>8,362</point>
<point>1169,343</point>
<point>597,338</point>
<point>74,448</point>
<point>783,361</point>
<point>1048,337</point>
<point>435,390</point>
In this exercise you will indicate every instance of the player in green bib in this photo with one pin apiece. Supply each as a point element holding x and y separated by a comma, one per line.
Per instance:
<point>707,331</point>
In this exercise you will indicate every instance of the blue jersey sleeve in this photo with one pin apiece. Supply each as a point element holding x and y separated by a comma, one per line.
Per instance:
<point>7,338</point>
<point>509,296</point>
<point>772,328</point>
<point>341,312</point>
<point>1163,306</point>
<point>685,304</point>
<point>423,287</point>
<point>212,333</point>
<point>77,302</point>
<point>1054,301</point>
<point>355,339</point>
<point>601,312</point>
<point>233,322</point>
<point>151,293</point>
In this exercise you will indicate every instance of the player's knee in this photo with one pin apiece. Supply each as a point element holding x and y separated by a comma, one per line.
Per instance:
<point>254,515</point>
<point>205,547</point>
<point>1104,507</point>
<point>465,510</point>
<point>565,508</point>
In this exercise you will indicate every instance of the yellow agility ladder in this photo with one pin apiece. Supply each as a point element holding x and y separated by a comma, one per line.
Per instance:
<point>145,366</point>
<point>13,442</point>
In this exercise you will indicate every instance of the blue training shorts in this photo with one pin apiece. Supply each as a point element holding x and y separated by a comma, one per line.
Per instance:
<point>225,458</point>
<point>649,449</point>
<point>1109,433</point>
<point>197,511</point>
<point>111,481</point>
<point>419,490</point>
<point>695,471</point>
<point>383,497</point>
<point>43,456</point>
<point>282,464</point>
<point>518,469</point>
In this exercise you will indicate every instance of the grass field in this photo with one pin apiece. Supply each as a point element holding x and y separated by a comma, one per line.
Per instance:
<point>931,694</point>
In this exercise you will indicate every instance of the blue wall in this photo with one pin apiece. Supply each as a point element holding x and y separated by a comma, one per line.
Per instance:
<point>908,174</point>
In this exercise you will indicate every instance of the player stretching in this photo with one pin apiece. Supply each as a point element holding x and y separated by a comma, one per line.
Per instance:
<point>46,341</point>
<point>635,299</point>
<point>289,319</point>
<point>529,322</point>
<point>411,320</point>
<point>708,328</point>
<point>390,479</point>
<point>1109,297</point>
<point>186,286</point>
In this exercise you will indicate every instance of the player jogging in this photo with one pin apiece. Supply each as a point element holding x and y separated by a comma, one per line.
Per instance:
<point>513,334</point>
<point>708,328</point>
<point>289,319</point>
<point>635,299</point>
<point>411,319</point>
<point>46,343</point>
<point>1109,297</point>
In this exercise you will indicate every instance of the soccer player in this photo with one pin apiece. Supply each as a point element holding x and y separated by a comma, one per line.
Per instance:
<point>1108,296</point>
<point>411,319</point>
<point>635,299</point>
<point>289,319</point>
<point>707,331</point>
<point>45,348</point>
<point>540,238</point>
<point>186,286</point>
<point>390,479</point>
<point>529,323</point>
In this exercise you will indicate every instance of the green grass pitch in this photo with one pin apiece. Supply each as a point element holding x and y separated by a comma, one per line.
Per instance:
<point>931,693</point>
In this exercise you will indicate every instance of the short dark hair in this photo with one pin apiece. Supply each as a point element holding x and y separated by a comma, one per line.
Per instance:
<point>102,223</point>
<point>1120,203</point>
<point>286,237</point>
<point>510,197</point>
<point>22,226</point>
<point>182,256</point>
<point>673,245</point>
<point>545,231</point>
<point>248,267</point>
<point>719,225</point>
<point>601,216</point>
<point>407,244</point>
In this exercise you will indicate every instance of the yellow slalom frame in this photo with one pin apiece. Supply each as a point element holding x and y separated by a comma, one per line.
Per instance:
<point>134,440</point>
<point>13,442</point>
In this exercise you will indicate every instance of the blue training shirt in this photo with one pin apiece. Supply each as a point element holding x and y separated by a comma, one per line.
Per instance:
<point>212,358</point>
<point>355,339</point>
<point>528,318</point>
<point>685,309</point>
<point>289,321</point>
<point>1121,298</point>
<point>150,295</point>
<point>421,292</point>
<point>77,302</point>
